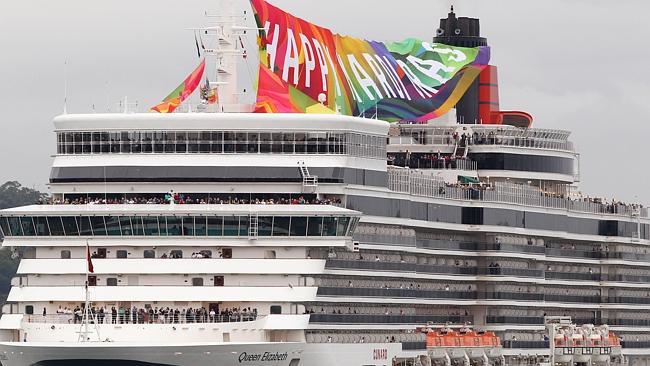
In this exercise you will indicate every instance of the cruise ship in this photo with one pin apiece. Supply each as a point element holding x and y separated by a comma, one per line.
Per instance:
<point>217,236</point>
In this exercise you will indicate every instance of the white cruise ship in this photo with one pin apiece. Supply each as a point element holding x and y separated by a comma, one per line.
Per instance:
<point>289,239</point>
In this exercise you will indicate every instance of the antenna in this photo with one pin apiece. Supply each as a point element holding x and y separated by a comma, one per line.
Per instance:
<point>65,87</point>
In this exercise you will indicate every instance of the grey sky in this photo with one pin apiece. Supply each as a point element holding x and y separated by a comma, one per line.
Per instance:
<point>578,65</point>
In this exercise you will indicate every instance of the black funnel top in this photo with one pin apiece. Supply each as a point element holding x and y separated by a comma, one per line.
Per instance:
<point>461,32</point>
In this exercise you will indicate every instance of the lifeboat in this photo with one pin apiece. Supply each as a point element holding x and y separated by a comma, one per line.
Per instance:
<point>459,347</point>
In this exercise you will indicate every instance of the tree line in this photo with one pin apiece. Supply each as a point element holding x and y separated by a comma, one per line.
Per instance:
<point>13,194</point>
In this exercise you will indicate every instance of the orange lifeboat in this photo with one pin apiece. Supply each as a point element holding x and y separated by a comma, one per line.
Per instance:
<point>450,338</point>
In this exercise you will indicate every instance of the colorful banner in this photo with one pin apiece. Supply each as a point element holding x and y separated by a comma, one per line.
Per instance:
<point>182,92</point>
<point>303,65</point>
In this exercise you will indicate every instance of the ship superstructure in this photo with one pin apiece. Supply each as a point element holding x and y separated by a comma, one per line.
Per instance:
<point>293,239</point>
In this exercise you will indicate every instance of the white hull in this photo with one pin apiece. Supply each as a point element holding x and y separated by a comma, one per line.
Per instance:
<point>232,354</point>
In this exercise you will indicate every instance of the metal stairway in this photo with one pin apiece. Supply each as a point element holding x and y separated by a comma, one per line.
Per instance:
<point>253,226</point>
<point>308,180</point>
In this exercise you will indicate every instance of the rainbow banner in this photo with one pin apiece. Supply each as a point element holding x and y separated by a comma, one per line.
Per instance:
<point>305,68</point>
<point>182,92</point>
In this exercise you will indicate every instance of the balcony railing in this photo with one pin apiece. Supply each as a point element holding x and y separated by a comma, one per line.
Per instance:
<point>419,183</point>
<point>635,344</point>
<point>398,266</point>
<point>513,272</point>
<point>414,345</point>
<point>395,293</point>
<point>572,276</point>
<point>529,320</point>
<point>108,318</point>
<point>485,135</point>
<point>388,319</point>
<point>526,344</point>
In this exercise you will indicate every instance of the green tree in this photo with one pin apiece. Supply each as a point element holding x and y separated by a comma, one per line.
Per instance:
<point>13,194</point>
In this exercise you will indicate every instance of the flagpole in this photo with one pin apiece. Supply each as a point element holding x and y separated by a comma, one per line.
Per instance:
<point>86,307</point>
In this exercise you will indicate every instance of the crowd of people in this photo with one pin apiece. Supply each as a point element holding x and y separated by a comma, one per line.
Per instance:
<point>134,315</point>
<point>186,199</point>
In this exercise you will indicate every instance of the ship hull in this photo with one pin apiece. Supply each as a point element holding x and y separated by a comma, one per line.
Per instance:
<point>257,354</point>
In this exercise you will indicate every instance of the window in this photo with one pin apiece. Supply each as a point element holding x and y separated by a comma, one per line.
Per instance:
<point>200,227</point>
<point>56,227</point>
<point>219,281</point>
<point>92,280</point>
<point>226,253</point>
<point>281,226</point>
<point>197,281</point>
<point>83,222</point>
<point>28,226</point>
<point>29,309</point>
<point>65,254</point>
<point>174,225</point>
<point>215,226</point>
<point>231,226</point>
<point>329,226</point>
<point>150,226</point>
<point>113,226</point>
<point>70,226</point>
<point>298,226</point>
<point>121,254</point>
<point>188,226</point>
<point>111,281</point>
<point>137,226</point>
<point>315,226</point>
<point>4,226</point>
<point>125,223</point>
<point>265,225</point>
<point>98,227</point>
<point>176,254</point>
<point>149,254</point>
<point>276,309</point>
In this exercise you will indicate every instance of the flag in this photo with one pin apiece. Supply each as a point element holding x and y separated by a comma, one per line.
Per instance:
<point>89,261</point>
<point>187,87</point>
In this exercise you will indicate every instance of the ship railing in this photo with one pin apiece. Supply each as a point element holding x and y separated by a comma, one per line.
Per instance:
<point>419,183</point>
<point>486,135</point>
<point>433,163</point>
<point>389,319</point>
<point>526,344</point>
<point>107,318</point>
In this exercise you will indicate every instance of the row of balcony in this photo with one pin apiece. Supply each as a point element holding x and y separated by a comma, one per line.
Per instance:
<point>529,249</point>
<point>413,293</point>
<point>478,271</point>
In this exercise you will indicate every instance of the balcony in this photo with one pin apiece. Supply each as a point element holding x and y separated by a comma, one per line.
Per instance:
<point>511,272</point>
<point>142,318</point>
<point>528,320</point>
<point>396,293</point>
<point>398,266</point>
<point>389,319</point>
<point>526,344</point>
<point>523,296</point>
<point>550,275</point>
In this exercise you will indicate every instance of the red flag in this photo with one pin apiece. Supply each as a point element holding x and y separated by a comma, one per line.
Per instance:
<point>89,261</point>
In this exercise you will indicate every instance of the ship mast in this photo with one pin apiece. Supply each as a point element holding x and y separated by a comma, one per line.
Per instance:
<point>88,315</point>
<point>229,49</point>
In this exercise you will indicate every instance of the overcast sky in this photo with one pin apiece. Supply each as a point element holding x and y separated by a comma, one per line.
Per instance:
<point>579,65</point>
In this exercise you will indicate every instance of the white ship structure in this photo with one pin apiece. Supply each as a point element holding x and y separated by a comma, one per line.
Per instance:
<point>291,239</point>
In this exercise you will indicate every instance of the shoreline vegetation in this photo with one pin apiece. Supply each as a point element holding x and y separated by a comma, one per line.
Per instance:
<point>13,194</point>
